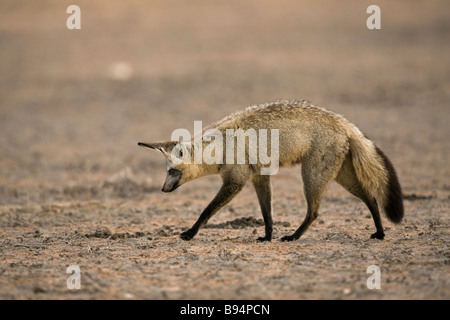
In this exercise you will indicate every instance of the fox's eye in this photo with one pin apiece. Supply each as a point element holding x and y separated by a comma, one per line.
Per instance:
<point>174,172</point>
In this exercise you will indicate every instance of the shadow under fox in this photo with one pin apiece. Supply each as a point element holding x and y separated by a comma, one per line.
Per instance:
<point>327,146</point>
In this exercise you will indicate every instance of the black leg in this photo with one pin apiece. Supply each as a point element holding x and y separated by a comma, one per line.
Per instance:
<point>263,190</point>
<point>315,182</point>
<point>373,207</point>
<point>225,194</point>
<point>309,219</point>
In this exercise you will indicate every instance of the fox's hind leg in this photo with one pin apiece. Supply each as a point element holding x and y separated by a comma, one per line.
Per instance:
<point>318,171</point>
<point>263,190</point>
<point>347,178</point>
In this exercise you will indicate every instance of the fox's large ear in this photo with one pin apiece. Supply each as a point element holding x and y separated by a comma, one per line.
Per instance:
<point>163,147</point>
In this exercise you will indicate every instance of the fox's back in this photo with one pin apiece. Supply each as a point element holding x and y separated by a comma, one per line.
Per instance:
<point>301,126</point>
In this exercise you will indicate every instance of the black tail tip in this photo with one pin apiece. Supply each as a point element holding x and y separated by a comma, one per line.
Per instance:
<point>394,208</point>
<point>394,202</point>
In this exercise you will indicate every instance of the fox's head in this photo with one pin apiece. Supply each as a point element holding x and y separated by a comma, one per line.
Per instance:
<point>180,163</point>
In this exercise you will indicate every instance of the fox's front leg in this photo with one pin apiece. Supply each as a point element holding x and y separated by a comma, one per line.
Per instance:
<point>263,190</point>
<point>225,194</point>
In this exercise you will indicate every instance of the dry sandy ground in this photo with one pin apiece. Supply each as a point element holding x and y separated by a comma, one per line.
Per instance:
<point>76,190</point>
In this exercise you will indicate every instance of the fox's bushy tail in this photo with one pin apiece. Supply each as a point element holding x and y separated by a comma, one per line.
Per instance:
<point>377,174</point>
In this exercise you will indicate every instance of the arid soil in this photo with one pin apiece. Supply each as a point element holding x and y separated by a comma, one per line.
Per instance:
<point>75,189</point>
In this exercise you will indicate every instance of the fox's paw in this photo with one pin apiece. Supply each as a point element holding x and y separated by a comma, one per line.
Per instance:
<point>187,235</point>
<point>288,238</point>
<point>264,239</point>
<point>377,235</point>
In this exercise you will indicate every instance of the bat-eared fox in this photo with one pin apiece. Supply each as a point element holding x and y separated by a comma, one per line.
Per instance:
<point>327,146</point>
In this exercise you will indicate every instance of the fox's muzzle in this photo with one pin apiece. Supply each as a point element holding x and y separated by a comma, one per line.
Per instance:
<point>172,180</point>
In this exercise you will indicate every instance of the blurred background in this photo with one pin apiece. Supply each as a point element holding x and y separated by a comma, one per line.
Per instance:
<point>74,103</point>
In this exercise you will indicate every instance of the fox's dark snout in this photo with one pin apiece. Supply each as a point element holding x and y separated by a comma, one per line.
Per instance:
<point>168,189</point>
<point>172,180</point>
